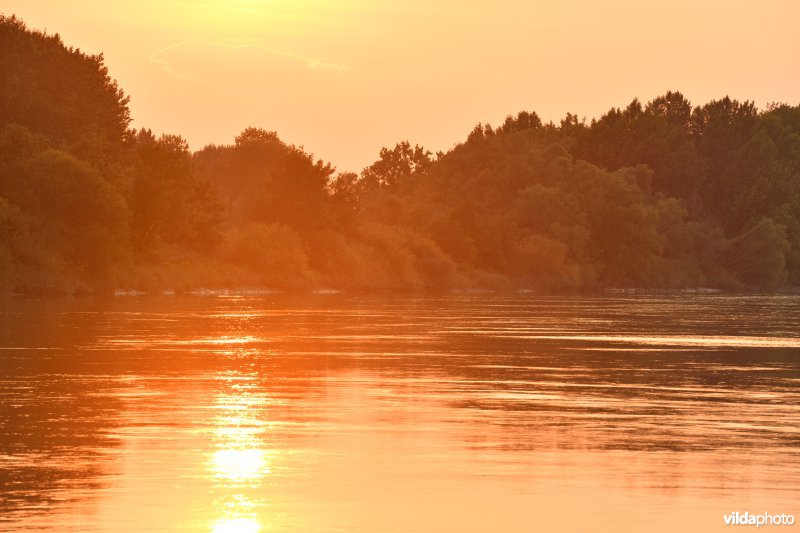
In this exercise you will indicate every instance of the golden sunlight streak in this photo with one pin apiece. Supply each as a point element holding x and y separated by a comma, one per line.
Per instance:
<point>236,525</point>
<point>240,465</point>
<point>239,461</point>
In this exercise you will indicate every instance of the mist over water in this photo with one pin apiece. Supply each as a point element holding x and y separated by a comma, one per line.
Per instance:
<point>366,413</point>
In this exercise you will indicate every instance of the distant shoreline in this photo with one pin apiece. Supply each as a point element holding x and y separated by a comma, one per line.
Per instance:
<point>265,291</point>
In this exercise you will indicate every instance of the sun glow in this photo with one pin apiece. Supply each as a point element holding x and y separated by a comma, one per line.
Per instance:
<point>239,460</point>
<point>236,525</point>
<point>240,465</point>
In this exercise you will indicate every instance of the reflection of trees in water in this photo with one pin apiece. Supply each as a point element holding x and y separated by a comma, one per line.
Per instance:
<point>684,412</point>
<point>575,397</point>
<point>56,413</point>
<point>545,393</point>
<point>559,394</point>
<point>55,433</point>
<point>659,420</point>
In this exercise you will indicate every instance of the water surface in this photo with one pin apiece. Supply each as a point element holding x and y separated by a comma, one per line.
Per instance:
<point>247,413</point>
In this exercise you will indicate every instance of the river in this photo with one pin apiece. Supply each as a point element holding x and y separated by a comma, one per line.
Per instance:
<point>334,412</point>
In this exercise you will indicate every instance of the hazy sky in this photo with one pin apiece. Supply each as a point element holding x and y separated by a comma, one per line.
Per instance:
<point>344,78</point>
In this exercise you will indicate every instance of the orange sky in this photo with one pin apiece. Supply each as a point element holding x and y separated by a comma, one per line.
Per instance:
<point>344,78</point>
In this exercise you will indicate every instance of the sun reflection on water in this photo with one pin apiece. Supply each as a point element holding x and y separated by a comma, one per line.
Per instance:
<point>240,465</point>
<point>239,461</point>
<point>236,525</point>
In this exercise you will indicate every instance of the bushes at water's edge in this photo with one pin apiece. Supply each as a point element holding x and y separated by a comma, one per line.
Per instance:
<point>655,195</point>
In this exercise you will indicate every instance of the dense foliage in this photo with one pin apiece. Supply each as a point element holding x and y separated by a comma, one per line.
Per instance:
<point>656,195</point>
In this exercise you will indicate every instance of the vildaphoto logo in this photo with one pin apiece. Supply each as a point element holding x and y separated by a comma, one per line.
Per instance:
<point>764,519</point>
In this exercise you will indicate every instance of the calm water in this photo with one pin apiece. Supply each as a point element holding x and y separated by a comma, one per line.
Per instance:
<point>341,413</point>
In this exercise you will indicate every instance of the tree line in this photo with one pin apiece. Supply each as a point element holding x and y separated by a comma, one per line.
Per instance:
<point>659,194</point>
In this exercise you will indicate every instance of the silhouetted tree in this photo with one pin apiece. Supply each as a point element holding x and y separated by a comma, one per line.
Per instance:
<point>168,202</point>
<point>396,164</point>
